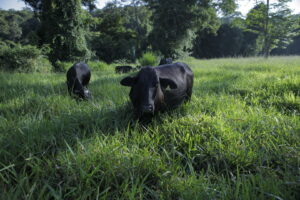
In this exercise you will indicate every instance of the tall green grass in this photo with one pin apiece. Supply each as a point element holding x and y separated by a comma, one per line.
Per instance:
<point>238,138</point>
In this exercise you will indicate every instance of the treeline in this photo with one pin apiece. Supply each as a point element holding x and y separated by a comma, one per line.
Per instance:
<point>66,31</point>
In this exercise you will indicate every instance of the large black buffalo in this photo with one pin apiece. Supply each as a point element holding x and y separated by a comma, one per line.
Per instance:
<point>78,77</point>
<point>159,88</point>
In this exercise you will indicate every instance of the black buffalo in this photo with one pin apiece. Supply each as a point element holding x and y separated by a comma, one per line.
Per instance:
<point>123,69</point>
<point>159,88</point>
<point>78,77</point>
<point>138,67</point>
<point>164,61</point>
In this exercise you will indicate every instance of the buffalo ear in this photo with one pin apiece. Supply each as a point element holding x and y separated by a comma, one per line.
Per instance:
<point>128,81</point>
<point>165,82</point>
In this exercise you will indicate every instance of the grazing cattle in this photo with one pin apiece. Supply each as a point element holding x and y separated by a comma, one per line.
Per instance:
<point>78,77</point>
<point>159,88</point>
<point>164,61</point>
<point>123,69</point>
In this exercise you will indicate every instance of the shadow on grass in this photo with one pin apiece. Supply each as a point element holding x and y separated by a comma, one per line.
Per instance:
<point>48,136</point>
<point>288,108</point>
<point>49,133</point>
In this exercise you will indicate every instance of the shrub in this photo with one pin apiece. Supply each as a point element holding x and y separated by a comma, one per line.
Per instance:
<point>63,66</point>
<point>23,59</point>
<point>148,59</point>
<point>42,64</point>
<point>98,66</point>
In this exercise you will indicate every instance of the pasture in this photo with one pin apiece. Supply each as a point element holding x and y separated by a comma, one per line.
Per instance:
<point>238,137</point>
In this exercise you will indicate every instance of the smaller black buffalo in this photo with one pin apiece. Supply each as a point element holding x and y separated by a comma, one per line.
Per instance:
<point>159,88</point>
<point>138,67</point>
<point>164,61</point>
<point>78,77</point>
<point>123,69</point>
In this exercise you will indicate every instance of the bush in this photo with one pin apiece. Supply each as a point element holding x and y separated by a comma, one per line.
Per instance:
<point>23,59</point>
<point>98,66</point>
<point>148,59</point>
<point>42,64</point>
<point>63,66</point>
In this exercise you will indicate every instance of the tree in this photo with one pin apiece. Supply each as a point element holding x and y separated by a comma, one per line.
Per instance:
<point>138,19</point>
<point>18,26</point>
<point>90,4</point>
<point>63,27</point>
<point>294,47</point>
<point>176,21</point>
<point>112,40</point>
<point>273,23</point>
<point>231,39</point>
<point>10,28</point>
<point>37,5</point>
<point>120,31</point>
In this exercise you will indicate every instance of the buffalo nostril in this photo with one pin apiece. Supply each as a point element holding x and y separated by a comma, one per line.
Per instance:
<point>148,109</point>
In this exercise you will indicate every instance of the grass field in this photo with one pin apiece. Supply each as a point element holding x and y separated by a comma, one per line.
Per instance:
<point>238,138</point>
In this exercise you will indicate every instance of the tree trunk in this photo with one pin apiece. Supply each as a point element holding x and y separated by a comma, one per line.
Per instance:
<point>266,48</point>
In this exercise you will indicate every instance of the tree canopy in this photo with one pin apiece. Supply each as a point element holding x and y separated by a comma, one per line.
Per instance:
<point>126,29</point>
<point>63,27</point>
<point>273,23</point>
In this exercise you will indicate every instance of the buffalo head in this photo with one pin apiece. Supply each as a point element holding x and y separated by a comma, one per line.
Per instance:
<point>147,90</point>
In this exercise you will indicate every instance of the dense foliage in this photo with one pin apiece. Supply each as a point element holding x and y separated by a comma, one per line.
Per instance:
<point>120,32</point>
<point>176,21</point>
<point>63,26</point>
<point>25,58</point>
<point>274,25</point>
<point>230,40</point>
<point>69,31</point>
<point>18,26</point>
